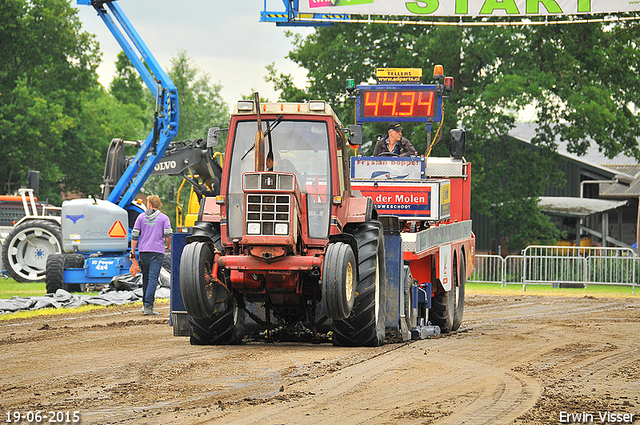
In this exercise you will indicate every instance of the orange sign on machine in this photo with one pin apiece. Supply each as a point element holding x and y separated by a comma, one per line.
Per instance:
<point>117,230</point>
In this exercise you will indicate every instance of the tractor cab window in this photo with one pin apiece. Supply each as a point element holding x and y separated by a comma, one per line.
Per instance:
<point>299,147</point>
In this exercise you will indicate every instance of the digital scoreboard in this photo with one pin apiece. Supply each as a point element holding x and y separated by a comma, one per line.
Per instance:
<point>398,103</point>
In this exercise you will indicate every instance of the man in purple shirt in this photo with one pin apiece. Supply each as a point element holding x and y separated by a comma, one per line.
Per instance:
<point>149,234</point>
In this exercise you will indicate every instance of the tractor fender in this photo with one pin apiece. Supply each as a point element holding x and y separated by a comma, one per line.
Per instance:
<point>53,219</point>
<point>349,239</point>
<point>209,210</point>
<point>360,210</point>
<point>207,228</point>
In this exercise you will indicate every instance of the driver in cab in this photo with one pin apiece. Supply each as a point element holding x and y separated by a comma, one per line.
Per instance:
<point>394,144</point>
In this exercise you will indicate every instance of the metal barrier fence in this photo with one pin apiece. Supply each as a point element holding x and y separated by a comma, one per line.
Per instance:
<point>551,265</point>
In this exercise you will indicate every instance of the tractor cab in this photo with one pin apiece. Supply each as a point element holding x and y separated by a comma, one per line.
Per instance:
<point>287,195</point>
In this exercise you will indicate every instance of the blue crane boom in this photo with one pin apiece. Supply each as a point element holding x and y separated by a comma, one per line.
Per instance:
<point>96,235</point>
<point>166,116</point>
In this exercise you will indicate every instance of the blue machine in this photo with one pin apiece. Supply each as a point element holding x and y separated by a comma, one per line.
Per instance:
<point>100,229</point>
<point>291,16</point>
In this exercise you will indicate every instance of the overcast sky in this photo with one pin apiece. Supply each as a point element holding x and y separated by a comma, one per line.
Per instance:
<point>223,38</point>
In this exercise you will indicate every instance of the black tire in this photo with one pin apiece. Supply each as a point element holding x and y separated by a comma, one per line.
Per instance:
<point>165,272</point>
<point>462,280</point>
<point>226,328</point>
<point>25,250</point>
<point>366,324</point>
<point>196,286</point>
<point>408,299</point>
<point>55,273</point>
<point>73,261</point>
<point>443,306</point>
<point>166,262</point>
<point>338,281</point>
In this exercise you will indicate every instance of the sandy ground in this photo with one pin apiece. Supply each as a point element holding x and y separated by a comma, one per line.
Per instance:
<point>517,360</point>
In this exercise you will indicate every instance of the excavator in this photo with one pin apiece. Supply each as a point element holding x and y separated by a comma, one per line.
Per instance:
<point>194,160</point>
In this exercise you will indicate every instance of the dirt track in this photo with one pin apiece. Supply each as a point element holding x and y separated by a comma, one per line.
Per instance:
<point>521,360</point>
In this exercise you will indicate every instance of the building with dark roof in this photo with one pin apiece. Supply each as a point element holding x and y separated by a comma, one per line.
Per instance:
<point>609,217</point>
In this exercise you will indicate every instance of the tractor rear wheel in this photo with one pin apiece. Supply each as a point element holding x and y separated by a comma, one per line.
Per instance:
<point>226,328</point>
<point>366,324</point>
<point>338,281</point>
<point>25,251</point>
<point>443,305</point>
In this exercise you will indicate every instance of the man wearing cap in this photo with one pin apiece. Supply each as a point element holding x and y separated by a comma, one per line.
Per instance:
<point>394,143</point>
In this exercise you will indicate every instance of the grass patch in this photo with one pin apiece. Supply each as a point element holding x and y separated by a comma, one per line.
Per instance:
<point>549,290</point>
<point>10,288</point>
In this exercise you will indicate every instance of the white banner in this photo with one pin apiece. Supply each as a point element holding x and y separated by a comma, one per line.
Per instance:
<point>474,8</point>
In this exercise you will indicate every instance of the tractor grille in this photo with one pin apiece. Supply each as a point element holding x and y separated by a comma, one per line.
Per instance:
<point>268,215</point>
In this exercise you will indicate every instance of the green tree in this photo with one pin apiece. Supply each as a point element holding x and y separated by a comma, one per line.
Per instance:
<point>284,84</point>
<point>47,71</point>
<point>565,71</point>
<point>54,115</point>
<point>126,86</point>
<point>201,105</point>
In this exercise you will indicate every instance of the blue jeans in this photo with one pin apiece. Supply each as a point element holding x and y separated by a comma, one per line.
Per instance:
<point>150,264</point>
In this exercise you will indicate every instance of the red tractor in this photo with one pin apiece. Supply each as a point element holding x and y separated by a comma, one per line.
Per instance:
<point>290,245</point>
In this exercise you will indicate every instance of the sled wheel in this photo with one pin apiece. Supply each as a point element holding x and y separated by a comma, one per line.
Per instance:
<point>443,305</point>
<point>462,280</point>
<point>409,315</point>
<point>338,281</point>
<point>366,324</point>
<point>25,251</point>
<point>226,328</point>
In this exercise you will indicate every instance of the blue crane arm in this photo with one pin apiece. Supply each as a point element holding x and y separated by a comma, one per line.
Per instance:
<point>166,117</point>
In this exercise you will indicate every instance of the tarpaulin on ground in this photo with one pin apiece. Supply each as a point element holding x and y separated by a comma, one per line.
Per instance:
<point>120,291</point>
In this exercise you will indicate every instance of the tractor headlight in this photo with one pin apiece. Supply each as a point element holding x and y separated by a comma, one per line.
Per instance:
<point>282,229</point>
<point>253,228</point>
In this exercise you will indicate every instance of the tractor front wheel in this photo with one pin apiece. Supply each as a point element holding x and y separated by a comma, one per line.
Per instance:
<point>338,281</point>
<point>366,324</point>
<point>197,286</point>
